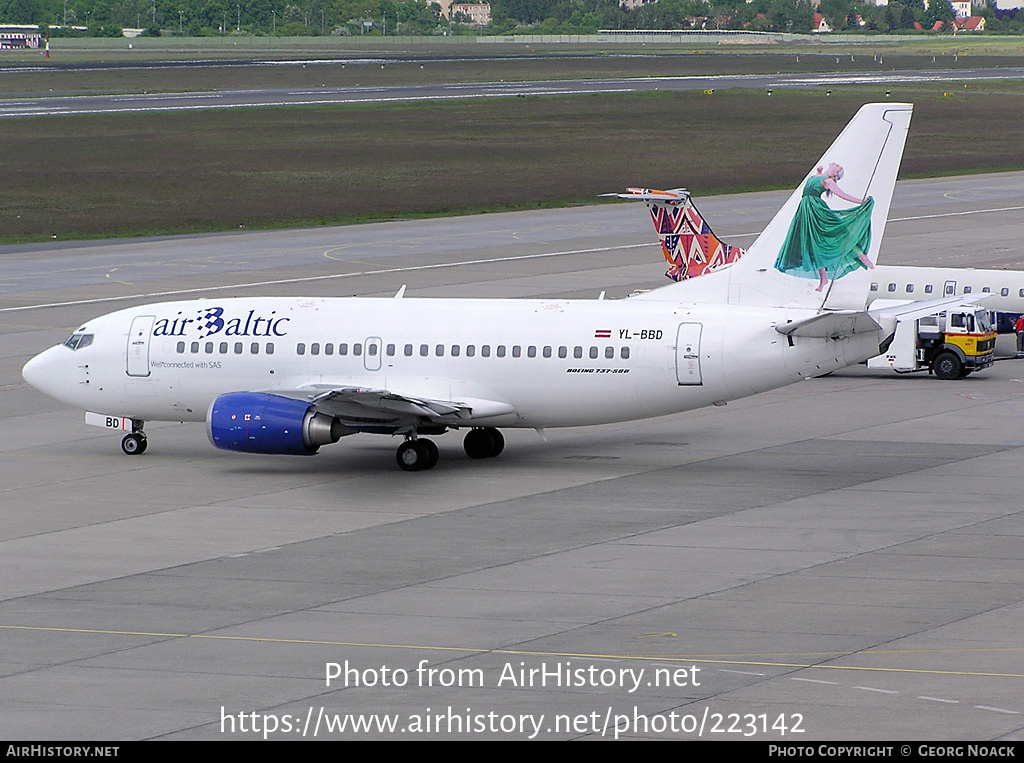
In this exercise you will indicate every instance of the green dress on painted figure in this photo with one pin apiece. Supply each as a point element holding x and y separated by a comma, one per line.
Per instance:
<point>823,242</point>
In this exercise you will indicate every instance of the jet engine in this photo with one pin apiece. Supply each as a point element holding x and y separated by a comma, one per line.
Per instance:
<point>255,422</point>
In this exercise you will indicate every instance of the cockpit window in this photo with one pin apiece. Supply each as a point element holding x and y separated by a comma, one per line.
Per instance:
<point>78,341</point>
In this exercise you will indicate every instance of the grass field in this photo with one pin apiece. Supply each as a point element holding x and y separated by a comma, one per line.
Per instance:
<point>89,176</point>
<point>413,68</point>
<point>80,66</point>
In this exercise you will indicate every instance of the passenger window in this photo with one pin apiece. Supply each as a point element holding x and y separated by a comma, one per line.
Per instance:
<point>968,289</point>
<point>609,352</point>
<point>470,350</point>
<point>408,351</point>
<point>563,351</point>
<point>391,350</point>
<point>343,348</point>
<point>593,353</point>
<point>625,353</point>
<point>329,348</point>
<point>254,348</point>
<point>910,288</point>
<point>892,287</point>
<point>928,289</point>
<point>424,350</point>
<point>270,348</point>
<point>485,351</point>
<point>986,290</point>
<point>195,348</point>
<point>223,348</point>
<point>517,351</point>
<point>238,348</point>
<point>500,351</point>
<point>577,352</point>
<point>209,348</point>
<point>357,349</point>
<point>455,350</point>
<point>181,347</point>
<point>300,349</point>
<point>439,351</point>
<point>531,351</point>
<point>372,349</point>
<point>1004,292</point>
<point>874,287</point>
<point>314,349</point>
<point>547,351</point>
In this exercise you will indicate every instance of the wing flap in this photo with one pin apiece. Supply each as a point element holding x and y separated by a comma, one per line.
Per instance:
<point>359,406</point>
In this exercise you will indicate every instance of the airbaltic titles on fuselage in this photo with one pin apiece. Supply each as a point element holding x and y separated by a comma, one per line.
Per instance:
<point>211,321</point>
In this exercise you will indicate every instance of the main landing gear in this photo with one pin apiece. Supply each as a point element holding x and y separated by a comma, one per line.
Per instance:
<point>415,455</point>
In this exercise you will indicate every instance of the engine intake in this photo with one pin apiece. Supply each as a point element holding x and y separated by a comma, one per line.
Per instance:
<point>255,422</point>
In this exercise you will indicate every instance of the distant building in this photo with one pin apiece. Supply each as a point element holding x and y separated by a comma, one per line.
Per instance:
<point>973,24</point>
<point>479,14</point>
<point>819,25</point>
<point>19,37</point>
<point>962,8</point>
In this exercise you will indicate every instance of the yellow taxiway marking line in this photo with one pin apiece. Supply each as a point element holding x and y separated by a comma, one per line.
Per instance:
<point>711,660</point>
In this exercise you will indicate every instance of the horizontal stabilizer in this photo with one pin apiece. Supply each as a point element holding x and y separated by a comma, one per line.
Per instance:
<point>651,194</point>
<point>831,325</point>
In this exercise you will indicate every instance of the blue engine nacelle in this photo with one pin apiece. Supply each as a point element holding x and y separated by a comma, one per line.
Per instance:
<point>255,422</point>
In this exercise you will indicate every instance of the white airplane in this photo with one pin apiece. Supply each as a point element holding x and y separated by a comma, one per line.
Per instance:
<point>692,249</point>
<point>286,376</point>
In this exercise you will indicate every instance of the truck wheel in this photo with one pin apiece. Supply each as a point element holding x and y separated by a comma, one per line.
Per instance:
<point>947,366</point>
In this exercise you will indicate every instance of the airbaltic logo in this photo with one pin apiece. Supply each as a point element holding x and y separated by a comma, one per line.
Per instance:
<point>211,321</point>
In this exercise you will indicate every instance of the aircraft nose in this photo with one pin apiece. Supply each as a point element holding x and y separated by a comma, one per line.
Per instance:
<point>34,372</point>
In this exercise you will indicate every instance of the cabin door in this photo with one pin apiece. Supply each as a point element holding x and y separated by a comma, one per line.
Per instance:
<point>688,354</point>
<point>138,345</point>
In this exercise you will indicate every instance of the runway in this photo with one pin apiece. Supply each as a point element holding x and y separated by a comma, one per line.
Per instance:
<point>232,99</point>
<point>837,560</point>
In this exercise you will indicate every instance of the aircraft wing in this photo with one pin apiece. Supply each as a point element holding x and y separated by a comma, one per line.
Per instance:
<point>360,407</point>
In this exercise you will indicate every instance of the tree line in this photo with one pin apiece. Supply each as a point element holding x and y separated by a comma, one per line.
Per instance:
<point>418,17</point>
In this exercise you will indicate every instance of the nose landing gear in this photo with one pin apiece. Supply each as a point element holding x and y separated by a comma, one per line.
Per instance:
<point>134,444</point>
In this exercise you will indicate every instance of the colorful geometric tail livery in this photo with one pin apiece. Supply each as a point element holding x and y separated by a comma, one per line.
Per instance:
<point>690,246</point>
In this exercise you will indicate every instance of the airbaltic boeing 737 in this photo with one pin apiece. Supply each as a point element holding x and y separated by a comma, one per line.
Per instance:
<point>286,376</point>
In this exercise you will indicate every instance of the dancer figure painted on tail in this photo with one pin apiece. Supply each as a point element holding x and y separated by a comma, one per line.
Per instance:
<point>823,242</point>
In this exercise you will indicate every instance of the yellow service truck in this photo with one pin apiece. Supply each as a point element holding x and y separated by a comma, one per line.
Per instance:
<point>951,344</point>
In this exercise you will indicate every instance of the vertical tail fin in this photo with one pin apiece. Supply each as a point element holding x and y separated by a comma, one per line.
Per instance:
<point>690,247</point>
<point>819,249</point>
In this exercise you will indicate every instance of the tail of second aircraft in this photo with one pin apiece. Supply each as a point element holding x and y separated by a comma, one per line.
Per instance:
<point>819,249</point>
<point>690,247</point>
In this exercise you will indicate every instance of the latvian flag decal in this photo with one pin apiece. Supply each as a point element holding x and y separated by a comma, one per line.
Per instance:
<point>603,334</point>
